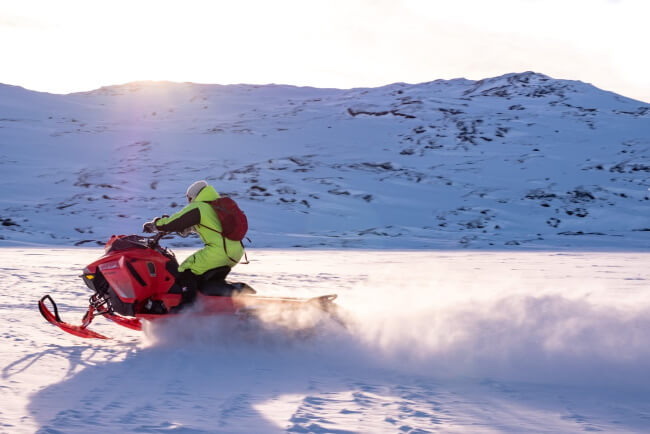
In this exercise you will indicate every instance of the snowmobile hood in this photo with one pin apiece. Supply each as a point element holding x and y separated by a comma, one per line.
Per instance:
<point>207,194</point>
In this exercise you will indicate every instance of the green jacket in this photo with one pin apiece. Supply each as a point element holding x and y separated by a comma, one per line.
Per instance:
<point>200,215</point>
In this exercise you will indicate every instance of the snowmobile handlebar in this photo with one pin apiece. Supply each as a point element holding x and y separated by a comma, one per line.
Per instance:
<point>153,241</point>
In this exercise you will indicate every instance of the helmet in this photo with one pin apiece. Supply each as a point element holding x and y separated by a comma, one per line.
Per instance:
<point>194,190</point>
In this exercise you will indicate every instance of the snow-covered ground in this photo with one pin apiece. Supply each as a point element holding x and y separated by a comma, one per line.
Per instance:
<point>520,161</point>
<point>524,309</point>
<point>439,341</point>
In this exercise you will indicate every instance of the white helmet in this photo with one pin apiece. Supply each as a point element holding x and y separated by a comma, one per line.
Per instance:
<point>194,190</point>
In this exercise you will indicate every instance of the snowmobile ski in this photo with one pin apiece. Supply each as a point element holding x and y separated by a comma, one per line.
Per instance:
<point>78,330</point>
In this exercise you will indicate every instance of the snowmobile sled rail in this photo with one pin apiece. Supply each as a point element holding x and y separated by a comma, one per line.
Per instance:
<point>82,330</point>
<point>78,330</point>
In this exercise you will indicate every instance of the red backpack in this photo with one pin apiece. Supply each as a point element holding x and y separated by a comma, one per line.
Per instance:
<point>234,223</point>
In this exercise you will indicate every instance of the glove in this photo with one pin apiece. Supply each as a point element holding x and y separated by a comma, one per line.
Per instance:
<point>149,228</point>
<point>158,218</point>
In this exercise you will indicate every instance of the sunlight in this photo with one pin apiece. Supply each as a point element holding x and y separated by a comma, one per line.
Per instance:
<point>86,45</point>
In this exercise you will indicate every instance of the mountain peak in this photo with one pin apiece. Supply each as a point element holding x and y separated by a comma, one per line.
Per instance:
<point>529,83</point>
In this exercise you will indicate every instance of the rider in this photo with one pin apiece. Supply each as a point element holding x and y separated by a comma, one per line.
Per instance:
<point>219,254</point>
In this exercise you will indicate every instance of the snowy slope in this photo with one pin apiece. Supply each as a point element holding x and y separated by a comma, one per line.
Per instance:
<point>468,342</point>
<point>517,161</point>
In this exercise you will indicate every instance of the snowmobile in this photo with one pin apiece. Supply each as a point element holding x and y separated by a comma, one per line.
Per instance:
<point>134,282</point>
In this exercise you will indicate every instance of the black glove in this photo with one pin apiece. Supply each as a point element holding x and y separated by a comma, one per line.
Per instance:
<point>149,228</point>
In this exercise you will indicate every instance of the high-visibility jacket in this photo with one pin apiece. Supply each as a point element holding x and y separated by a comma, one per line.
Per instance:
<point>200,216</point>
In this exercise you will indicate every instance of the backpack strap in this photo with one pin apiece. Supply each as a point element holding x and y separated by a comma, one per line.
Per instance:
<point>245,255</point>
<point>225,249</point>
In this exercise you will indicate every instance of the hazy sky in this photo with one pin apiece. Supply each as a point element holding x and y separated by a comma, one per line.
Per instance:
<point>64,46</point>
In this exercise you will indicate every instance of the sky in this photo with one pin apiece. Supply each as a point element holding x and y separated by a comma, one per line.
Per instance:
<point>67,46</point>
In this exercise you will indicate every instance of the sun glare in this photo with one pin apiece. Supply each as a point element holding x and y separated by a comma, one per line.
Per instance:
<point>75,45</point>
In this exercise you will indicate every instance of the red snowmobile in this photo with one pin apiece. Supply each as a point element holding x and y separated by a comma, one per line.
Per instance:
<point>134,281</point>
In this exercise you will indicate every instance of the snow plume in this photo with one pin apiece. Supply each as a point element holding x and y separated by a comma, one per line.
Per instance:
<point>523,338</point>
<point>270,328</point>
<point>547,338</point>
<point>445,322</point>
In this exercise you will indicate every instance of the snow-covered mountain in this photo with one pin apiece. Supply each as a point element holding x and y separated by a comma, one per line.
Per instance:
<point>516,161</point>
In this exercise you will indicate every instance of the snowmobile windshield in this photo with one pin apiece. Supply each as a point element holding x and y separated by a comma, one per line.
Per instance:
<point>128,242</point>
